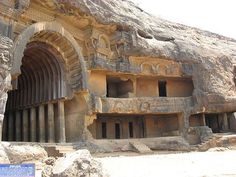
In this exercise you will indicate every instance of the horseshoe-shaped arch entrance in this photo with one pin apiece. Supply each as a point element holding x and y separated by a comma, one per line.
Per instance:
<point>49,67</point>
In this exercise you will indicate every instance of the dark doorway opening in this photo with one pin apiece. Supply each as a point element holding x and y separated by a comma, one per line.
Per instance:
<point>117,131</point>
<point>212,121</point>
<point>131,131</point>
<point>162,88</point>
<point>104,130</point>
<point>119,88</point>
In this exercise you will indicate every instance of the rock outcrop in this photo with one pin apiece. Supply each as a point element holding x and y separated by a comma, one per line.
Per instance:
<point>24,153</point>
<point>208,57</point>
<point>3,156</point>
<point>79,163</point>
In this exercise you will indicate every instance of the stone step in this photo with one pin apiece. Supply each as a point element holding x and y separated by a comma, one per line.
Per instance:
<point>204,143</point>
<point>140,147</point>
<point>59,150</point>
<point>63,150</point>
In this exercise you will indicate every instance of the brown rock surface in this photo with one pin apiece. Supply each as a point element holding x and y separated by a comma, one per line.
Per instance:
<point>208,57</point>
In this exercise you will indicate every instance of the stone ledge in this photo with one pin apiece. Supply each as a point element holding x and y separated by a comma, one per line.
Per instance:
<point>143,105</point>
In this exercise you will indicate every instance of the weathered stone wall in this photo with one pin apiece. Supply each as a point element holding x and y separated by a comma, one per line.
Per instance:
<point>97,83</point>
<point>75,123</point>
<point>5,77</point>
<point>161,125</point>
<point>196,120</point>
<point>179,88</point>
<point>147,87</point>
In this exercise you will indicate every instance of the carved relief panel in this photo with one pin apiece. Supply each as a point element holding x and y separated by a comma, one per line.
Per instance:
<point>156,66</point>
<point>98,44</point>
<point>121,42</point>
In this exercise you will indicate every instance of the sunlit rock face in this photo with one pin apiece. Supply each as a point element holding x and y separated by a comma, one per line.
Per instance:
<point>208,57</point>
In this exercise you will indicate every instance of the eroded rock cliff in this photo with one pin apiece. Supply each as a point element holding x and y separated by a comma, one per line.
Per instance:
<point>208,57</point>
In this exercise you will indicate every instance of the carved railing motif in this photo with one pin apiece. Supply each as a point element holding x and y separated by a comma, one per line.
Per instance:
<point>113,65</point>
<point>143,105</point>
<point>124,65</point>
<point>5,77</point>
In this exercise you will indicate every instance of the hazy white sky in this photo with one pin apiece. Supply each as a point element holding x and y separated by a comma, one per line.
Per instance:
<point>218,16</point>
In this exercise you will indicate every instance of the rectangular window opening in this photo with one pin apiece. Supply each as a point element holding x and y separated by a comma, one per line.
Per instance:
<point>104,130</point>
<point>131,133</point>
<point>162,88</point>
<point>117,131</point>
<point>119,88</point>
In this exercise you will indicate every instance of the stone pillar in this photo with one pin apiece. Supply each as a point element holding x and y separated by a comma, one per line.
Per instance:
<point>41,124</point>
<point>183,120</point>
<point>18,125</point>
<point>225,122</point>
<point>61,122</point>
<point>25,125</point>
<point>33,125</point>
<point>10,126</point>
<point>186,116</point>
<point>51,126</point>
<point>232,121</point>
<point>180,121</point>
<point>203,120</point>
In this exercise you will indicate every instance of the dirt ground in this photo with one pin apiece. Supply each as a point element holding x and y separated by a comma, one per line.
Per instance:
<point>217,162</point>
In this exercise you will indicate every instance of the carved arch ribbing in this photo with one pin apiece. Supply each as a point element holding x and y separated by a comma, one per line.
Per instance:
<point>75,64</point>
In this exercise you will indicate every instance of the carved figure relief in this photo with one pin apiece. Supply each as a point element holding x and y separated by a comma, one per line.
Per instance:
<point>98,44</point>
<point>161,69</point>
<point>122,42</point>
<point>145,107</point>
<point>118,107</point>
<point>158,68</point>
<point>104,42</point>
<point>3,57</point>
<point>172,69</point>
<point>147,68</point>
<point>4,52</point>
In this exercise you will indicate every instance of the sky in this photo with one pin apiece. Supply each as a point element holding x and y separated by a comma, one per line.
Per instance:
<point>218,16</point>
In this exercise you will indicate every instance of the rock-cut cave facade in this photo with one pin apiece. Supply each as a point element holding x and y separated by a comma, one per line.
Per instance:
<point>75,73</point>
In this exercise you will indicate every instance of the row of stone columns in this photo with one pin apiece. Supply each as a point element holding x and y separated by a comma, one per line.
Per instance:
<point>44,123</point>
<point>223,116</point>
